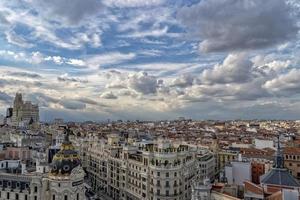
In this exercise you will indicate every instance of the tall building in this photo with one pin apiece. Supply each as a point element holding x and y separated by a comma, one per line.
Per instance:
<point>24,112</point>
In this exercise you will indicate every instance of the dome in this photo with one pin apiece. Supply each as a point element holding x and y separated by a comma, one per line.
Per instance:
<point>66,159</point>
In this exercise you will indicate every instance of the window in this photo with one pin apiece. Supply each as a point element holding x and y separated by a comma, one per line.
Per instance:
<point>53,197</point>
<point>26,198</point>
<point>158,192</point>
<point>35,197</point>
<point>17,197</point>
<point>167,184</point>
<point>167,192</point>
<point>66,197</point>
<point>7,195</point>
<point>167,174</point>
<point>175,174</point>
<point>158,173</point>
<point>35,189</point>
<point>77,196</point>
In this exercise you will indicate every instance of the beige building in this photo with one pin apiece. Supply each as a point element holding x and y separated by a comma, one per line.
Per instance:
<point>24,112</point>
<point>292,160</point>
<point>156,170</point>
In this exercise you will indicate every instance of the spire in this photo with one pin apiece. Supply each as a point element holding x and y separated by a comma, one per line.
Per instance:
<point>279,158</point>
<point>67,134</point>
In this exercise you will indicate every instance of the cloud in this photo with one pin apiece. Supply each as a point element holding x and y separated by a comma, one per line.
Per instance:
<point>56,59</point>
<point>133,3</point>
<point>285,84</point>
<point>33,58</point>
<point>108,95</point>
<point>67,78</point>
<point>72,104</point>
<point>236,68</point>
<point>227,25</point>
<point>24,75</point>
<point>5,97</point>
<point>76,62</point>
<point>16,39</point>
<point>135,83</point>
<point>183,81</point>
<point>143,83</point>
<point>72,11</point>
<point>95,61</point>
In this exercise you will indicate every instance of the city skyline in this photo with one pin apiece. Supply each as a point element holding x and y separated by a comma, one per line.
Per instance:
<point>152,59</point>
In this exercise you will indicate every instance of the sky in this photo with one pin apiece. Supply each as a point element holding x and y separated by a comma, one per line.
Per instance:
<point>152,59</point>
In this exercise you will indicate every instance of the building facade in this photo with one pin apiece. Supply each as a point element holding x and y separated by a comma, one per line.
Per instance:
<point>143,170</point>
<point>24,112</point>
<point>65,180</point>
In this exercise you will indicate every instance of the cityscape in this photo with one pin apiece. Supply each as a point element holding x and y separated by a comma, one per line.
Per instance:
<point>149,100</point>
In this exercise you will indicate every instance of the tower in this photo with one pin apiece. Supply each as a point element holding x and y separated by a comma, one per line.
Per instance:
<point>279,158</point>
<point>17,108</point>
<point>24,113</point>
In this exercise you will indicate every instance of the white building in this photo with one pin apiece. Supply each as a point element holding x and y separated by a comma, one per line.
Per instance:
<point>261,144</point>
<point>237,172</point>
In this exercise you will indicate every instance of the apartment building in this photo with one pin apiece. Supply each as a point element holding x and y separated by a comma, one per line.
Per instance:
<point>158,170</point>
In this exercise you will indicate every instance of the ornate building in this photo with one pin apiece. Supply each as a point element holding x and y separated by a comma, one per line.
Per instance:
<point>66,175</point>
<point>24,112</point>
<point>63,182</point>
<point>145,170</point>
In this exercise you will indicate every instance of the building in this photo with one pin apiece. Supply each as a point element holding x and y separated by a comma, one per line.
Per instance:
<point>225,157</point>
<point>156,170</point>
<point>278,183</point>
<point>292,160</point>
<point>257,170</point>
<point>237,172</point>
<point>63,182</point>
<point>24,113</point>
<point>201,191</point>
<point>206,166</point>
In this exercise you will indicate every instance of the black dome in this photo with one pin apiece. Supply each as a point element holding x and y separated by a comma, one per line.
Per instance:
<point>66,159</point>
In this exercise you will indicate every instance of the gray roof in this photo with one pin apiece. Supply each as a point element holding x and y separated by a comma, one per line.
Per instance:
<point>279,176</point>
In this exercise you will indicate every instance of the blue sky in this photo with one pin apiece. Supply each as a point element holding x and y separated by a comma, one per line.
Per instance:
<point>152,59</point>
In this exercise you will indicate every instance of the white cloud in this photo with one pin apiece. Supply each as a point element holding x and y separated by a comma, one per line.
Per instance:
<point>236,68</point>
<point>76,62</point>
<point>16,39</point>
<point>96,61</point>
<point>285,84</point>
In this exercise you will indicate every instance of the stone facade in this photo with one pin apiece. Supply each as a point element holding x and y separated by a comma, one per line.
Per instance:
<point>144,170</point>
<point>24,112</point>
